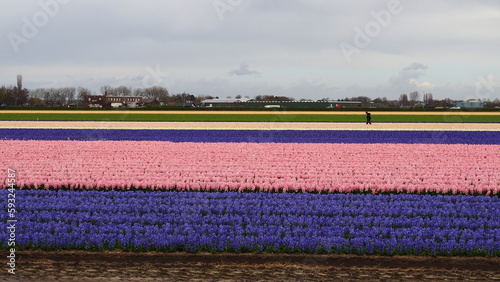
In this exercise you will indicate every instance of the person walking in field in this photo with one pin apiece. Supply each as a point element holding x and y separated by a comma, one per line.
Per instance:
<point>368,118</point>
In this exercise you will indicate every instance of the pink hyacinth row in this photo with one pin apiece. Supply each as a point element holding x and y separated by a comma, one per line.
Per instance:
<point>416,168</point>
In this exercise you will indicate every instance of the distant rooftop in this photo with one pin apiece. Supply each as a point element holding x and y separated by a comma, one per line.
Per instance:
<point>215,101</point>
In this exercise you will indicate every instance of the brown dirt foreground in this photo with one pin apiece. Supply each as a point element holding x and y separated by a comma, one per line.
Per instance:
<point>117,266</point>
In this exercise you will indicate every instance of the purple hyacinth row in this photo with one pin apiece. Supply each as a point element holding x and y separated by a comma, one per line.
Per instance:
<point>258,136</point>
<point>258,222</point>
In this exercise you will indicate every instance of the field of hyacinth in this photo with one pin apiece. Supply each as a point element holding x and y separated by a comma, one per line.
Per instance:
<point>391,192</point>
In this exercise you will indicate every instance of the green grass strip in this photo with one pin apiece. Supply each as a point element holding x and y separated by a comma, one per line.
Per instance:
<point>252,118</point>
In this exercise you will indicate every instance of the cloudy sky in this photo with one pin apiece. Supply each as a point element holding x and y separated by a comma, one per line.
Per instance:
<point>309,49</point>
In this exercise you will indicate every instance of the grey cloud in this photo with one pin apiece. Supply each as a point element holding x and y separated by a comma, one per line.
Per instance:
<point>407,74</point>
<point>110,42</point>
<point>243,70</point>
<point>415,66</point>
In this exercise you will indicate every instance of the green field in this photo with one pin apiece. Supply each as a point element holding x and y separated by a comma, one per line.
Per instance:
<point>446,118</point>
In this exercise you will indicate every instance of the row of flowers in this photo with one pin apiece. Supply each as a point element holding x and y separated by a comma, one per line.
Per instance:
<point>259,136</point>
<point>288,167</point>
<point>257,222</point>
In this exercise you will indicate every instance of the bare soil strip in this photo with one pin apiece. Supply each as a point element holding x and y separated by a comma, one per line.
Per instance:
<point>251,125</point>
<point>276,112</point>
<point>116,265</point>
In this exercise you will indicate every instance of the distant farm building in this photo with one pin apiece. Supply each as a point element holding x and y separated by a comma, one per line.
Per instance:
<point>100,101</point>
<point>93,101</point>
<point>224,103</point>
<point>151,102</point>
<point>470,104</point>
<point>126,101</point>
<point>248,103</point>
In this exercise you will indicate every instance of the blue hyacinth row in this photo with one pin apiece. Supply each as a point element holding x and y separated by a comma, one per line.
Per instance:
<point>258,136</point>
<point>257,222</point>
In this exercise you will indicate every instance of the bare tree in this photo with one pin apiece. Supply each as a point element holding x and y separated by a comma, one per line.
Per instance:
<point>67,95</point>
<point>57,96</point>
<point>385,101</point>
<point>37,93</point>
<point>428,100</point>
<point>8,95</point>
<point>106,89</point>
<point>156,92</point>
<point>403,100</point>
<point>139,92</point>
<point>81,92</point>
<point>414,97</point>
<point>362,99</point>
<point>21,93</point>
<point>19,82</point>
<point>122,91</point>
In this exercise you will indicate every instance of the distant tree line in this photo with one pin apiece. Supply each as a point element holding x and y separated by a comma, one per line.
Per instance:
<point>412,100</point>
<point>66,96</point>
<point>155,92</point>
<point>15,96</point>
<point>273,98</point>
<point>53,97</point>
